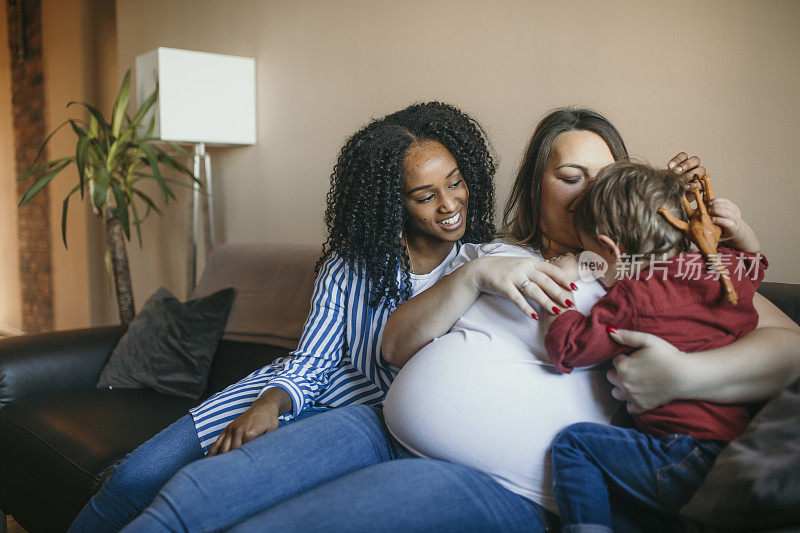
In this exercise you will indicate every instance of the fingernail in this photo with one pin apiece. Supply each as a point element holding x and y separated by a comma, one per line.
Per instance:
<point>678,169</point>
<point>671,164</point>
<point>556,310</point>
<point>534,316</point>
<point>574,287</point>
<point>570,304</point>
<point>611,329</point>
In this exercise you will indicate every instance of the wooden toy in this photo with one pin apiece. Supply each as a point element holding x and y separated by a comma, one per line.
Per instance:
<point>702,231</point>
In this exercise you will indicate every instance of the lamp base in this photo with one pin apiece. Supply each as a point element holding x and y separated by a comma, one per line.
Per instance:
<point>198,251</point>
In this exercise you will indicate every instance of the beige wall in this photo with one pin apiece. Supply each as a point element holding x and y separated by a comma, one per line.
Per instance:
<point>717,78</point>
<point>10,296</point>
<point>79,62</point>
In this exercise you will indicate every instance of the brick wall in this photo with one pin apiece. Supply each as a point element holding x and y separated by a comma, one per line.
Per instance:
<point>36,279</point>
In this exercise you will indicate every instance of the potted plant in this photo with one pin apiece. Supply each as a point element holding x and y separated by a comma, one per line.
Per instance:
<point>112,159</point>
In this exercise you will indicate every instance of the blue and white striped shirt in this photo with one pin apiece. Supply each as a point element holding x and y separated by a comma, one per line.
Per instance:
<point>338,361</point>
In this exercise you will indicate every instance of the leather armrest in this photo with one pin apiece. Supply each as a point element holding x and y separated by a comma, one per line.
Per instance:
<point>54,362</point>
<point>785,296</point>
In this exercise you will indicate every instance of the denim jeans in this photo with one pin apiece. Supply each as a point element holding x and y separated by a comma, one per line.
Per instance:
<point>339,471</point>
<point>596,466</point>
<point>141,474</point>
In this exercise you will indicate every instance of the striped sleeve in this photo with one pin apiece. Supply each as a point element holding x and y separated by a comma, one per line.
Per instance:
<point>305,375</point>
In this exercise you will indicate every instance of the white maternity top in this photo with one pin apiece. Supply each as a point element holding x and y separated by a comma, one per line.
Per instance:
<point>477,396</point>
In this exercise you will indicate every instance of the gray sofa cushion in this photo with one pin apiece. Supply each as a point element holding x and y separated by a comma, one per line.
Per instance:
<point>169,345</point>
<point>755,482</point>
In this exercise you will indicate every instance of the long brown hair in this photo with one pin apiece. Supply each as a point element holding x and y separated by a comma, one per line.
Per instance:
<point>523,211</point>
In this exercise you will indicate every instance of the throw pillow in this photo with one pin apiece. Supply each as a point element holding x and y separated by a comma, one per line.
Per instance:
<point>755,481</point>
<point>169,345</point>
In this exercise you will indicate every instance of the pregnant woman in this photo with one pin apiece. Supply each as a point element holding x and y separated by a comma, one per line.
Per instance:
<point>483,418</point>
<point>406,190</point>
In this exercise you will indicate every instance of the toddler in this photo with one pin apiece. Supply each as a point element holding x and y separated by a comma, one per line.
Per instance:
<point>655,285</point>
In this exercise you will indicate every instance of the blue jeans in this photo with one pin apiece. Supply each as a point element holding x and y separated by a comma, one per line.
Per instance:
<point>339,471</point>
<point>139,477</point>
<point>596,465</point>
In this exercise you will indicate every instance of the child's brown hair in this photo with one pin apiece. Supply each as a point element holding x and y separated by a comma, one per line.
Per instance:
<point>622,202</point>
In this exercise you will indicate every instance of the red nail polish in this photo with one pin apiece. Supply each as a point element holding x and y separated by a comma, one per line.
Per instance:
<point>570,304</point>
<point>611,329</point>
<point>556,310</point>
<point>574,287</point>
<point>534,316</point>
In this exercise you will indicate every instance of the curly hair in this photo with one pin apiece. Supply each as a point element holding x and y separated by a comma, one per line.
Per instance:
<point>366,215</point>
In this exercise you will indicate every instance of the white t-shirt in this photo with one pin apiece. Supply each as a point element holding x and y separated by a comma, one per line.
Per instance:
<point>478,396</point>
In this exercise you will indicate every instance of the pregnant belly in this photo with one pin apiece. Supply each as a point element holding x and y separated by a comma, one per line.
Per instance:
<point>492,407</point>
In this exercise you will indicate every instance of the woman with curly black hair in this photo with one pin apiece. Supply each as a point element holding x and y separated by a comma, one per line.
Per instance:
<point>384,216</point>
<point>406,191</point>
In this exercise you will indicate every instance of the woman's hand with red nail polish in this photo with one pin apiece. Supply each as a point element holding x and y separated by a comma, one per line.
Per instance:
<point>522,280</point>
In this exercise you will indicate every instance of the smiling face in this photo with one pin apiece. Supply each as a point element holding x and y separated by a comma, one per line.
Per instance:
<point>576,158</point>
<point>436,194</point>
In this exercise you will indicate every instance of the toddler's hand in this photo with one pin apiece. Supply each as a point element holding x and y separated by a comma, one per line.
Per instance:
<point>735,230</point>
<point>728,215</point>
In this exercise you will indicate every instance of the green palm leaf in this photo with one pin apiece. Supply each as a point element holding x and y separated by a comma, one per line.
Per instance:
<point>44,180</point>
<point>64,207</point>
<point>147,200</point>
<point>121,105</point>
<point>96,118</point>
<point>81,157</point>
<point>47,140</point>
<point>137,118</point>
<point>39,168</point>
<point>153,159</point>
<point>171,162</point>
<point>119,146</point>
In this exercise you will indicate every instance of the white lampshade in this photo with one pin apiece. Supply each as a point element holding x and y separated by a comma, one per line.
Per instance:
<point>203,98</point>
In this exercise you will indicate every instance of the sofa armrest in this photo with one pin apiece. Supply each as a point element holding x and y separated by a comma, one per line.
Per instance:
<point>54,362</point>
<point>785,296</point>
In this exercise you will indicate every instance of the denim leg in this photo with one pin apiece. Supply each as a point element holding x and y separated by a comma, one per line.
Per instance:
<point>221,491</point>
<point>629,517</point>
<point>405,495</point>
<point>593,463</point>
<point>138,478</point>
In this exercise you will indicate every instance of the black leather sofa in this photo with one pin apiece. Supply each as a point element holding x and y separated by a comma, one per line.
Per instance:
<point>59,435</point>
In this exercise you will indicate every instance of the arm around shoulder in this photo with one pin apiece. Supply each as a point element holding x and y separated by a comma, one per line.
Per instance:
<point>753,368</point>
<point>433,312</point>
